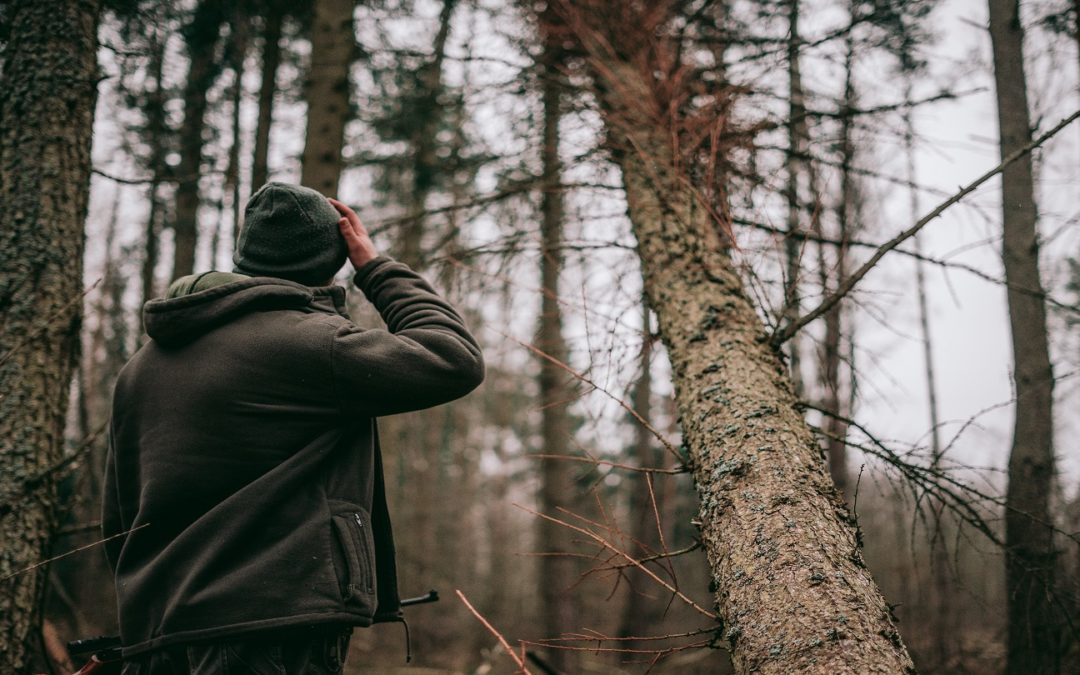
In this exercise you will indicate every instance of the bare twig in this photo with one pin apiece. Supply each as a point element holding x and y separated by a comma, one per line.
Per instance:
<point>614,549</point>
<point>626,406</point>
<point>781,336</point>
<point>491,629</point>
<point>71,552</point>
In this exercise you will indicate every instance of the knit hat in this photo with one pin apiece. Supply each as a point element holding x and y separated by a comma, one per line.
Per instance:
<point>290,232</point>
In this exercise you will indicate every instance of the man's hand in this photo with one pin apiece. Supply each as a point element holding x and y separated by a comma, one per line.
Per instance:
<point>361,250</point>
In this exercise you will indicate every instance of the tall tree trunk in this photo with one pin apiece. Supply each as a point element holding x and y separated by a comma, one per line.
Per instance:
<point>333,44</point>
<point>271,59</point>
<point>232,172</point>
<point>416,433</point>
<point>642,614</point>
<point>1034,624</point>
<point>790,583</point>
<point>831,360</point>
<point>201,37</point>
<point>941,605</point>
<point>155,129</point>
<point>425,165</point>
<point>558,568</point>
<point>797,148</point>
<point>47,95</point>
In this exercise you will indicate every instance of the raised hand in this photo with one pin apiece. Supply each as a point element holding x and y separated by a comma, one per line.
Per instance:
<point>361,249</point>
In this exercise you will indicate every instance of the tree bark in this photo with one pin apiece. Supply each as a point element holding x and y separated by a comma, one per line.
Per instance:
<point>789,579</point>
<point>558,568</point>
<point>333,44</point>
<point>201,36</point>
<point>47,95</point>
<point>271,59</point>
<point>1034,623</point>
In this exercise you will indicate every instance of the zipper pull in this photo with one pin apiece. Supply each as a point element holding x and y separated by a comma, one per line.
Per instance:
<point>360,524</point>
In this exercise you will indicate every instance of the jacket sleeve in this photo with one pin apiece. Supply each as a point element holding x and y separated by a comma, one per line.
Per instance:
<point>424,357</point>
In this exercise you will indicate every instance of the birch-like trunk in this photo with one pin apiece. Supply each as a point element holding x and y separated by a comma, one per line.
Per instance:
<point>47,94</point>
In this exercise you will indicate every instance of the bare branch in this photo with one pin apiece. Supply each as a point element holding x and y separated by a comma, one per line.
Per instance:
<point>781,336</point>
<point>506,645</point>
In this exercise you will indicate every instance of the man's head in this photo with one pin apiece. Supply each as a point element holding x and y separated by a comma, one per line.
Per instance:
<point>290,232</point>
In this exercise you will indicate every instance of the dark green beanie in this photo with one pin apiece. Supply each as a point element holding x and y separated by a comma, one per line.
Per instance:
<point>290,232</point>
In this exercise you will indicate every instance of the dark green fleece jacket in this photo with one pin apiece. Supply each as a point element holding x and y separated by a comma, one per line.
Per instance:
<point>244,482</point>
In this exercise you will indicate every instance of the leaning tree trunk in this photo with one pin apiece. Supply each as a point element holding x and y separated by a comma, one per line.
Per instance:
<point>1034,626</point>
<point>327,91</point>
<point>47,96</point>
<point>790,583</point>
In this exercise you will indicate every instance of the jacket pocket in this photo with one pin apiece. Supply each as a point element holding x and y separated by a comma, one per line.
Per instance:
<point>353,531</point>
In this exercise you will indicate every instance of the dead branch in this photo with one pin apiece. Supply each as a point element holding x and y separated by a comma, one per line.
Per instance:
<point>614,549</point>
<point>491,629</point>
<point>626,406</point>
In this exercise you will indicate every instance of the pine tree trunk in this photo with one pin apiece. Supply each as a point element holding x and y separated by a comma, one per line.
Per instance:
<point>327,91</point>
<point>271,59</point>
<point>47,95</point>
<point>558,568</point>
<point>790,582</point>
<point>1034,624</point>
<point>201,36</point>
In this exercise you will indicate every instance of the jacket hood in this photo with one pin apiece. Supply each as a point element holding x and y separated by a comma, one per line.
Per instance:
<point>190,313</point>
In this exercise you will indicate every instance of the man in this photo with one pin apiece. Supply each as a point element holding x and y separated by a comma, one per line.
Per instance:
<point>244,500</point>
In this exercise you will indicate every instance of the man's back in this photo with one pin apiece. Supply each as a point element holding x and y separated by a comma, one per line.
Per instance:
<point>244,456</point>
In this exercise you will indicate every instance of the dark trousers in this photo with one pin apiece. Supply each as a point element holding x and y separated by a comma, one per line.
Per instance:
<point>316,650</point>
